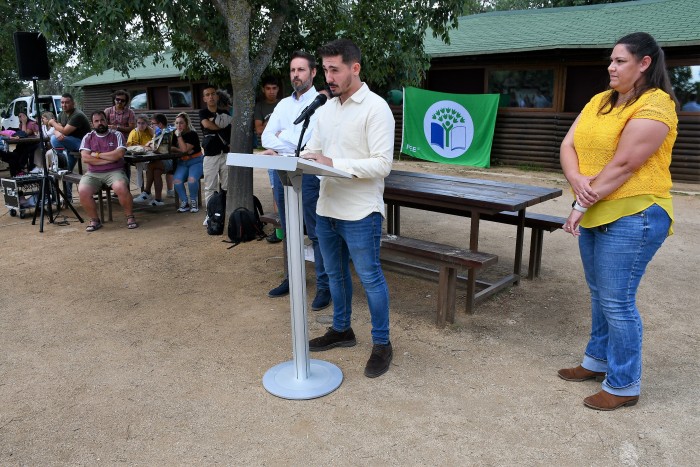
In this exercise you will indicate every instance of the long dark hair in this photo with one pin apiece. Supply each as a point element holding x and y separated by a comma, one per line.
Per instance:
<point>641,44</point>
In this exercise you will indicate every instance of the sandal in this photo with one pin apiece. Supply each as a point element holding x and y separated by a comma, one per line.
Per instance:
<point>131,222</point>
<point>93,224</point>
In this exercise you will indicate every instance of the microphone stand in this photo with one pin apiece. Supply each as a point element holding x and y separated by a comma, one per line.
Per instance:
<point>301,136</point>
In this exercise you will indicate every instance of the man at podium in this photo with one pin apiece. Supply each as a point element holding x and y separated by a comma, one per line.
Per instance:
<point>281,136</point>
<point>354,132</point>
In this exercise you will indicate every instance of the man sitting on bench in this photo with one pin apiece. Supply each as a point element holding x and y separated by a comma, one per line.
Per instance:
<point>103,151</point>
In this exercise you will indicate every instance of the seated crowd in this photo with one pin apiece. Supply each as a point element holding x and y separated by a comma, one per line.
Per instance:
<point>102,141</point>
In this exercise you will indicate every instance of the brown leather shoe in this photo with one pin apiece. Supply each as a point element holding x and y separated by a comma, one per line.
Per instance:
<point>606,401</point>
<point>580,374</point>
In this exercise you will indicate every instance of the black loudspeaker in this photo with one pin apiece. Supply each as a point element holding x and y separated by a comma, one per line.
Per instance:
<point>32,56</point>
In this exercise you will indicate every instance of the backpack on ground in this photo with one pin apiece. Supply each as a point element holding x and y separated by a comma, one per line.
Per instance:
<point>244,225</point>
<point>216,213</point>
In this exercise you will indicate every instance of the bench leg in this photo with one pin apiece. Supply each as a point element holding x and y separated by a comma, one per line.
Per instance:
<point>471,291</point>
<point>108,194</point>
<point>100,199</point>
<point>536,240</point>
<point>447,290</point>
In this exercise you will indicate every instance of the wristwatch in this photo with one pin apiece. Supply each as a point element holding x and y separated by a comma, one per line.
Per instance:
<point>578,207</point>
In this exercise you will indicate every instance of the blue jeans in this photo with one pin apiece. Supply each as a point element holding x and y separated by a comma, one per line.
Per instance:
<point>342,241</point>
<point>310,185</point>
<point>69,143</point>
<point>614,258</point>
<point>190,170</point>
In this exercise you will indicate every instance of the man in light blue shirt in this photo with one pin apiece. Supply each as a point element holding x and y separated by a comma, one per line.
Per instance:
<point>281,137</point>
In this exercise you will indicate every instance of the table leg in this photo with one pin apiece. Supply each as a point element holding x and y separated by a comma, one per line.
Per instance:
<point>389,218</point>
<point>397,220</point>
<point>474,246</point>
<point>519,240</point>
<point>393,219</point>
<point>474,233</point>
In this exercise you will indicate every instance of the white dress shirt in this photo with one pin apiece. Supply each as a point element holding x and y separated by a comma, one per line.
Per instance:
<point>281,120</point>
<point>359,136</point>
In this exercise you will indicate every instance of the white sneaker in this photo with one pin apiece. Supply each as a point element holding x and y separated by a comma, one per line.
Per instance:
<point>36,170</point>
<point>142,198</point>
<point>206,219</point>
<point>155,202</point>
<point>184,207</point>
<point>193,206</point>
<point>170,193</point>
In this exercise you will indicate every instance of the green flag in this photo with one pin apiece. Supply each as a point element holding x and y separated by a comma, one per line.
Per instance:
<point>449,128</point>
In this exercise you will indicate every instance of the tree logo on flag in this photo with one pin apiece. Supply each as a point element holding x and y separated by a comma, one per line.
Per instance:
<point>448,128</point>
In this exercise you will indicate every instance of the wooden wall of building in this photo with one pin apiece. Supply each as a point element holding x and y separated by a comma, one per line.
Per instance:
<point>533,140</point>
<point>100,97</point>
<point>527,139</point>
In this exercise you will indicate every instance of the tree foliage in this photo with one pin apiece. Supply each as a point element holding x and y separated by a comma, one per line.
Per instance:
<point>240,39</point>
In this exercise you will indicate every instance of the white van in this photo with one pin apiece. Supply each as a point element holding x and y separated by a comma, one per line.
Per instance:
<point>10,117</point>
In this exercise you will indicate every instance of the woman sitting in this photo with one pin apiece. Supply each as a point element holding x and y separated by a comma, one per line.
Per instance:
<point>142,136</point>
<point>19,158</point>
<point>190,165</point>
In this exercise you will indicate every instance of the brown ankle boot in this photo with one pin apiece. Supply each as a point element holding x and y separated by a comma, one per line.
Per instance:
<point>580,374</point>
<point>606,401</point>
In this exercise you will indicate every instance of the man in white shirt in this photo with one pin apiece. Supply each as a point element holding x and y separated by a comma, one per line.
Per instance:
<point>281,136</point>
<point>354,132</point>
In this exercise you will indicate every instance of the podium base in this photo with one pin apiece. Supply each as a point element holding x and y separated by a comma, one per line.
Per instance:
<point>324,378</point>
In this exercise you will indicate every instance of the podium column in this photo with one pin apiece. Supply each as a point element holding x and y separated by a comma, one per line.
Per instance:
<point>300,378</point>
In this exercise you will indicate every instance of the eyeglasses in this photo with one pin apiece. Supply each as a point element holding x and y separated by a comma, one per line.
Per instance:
<point>117,99</point>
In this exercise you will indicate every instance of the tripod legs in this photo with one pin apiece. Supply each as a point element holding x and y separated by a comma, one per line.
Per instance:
<point>48,185</point>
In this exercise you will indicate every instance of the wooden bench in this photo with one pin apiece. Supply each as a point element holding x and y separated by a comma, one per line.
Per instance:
<point>535,221</point>
<point>448,258</point>
<point>102,194</point>
<point>538,223</point>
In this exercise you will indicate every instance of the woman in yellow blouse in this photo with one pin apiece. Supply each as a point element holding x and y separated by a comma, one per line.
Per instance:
<point>616,156</point>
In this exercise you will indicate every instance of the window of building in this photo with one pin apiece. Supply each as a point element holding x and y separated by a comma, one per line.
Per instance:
<point>466,81</point>
<point>522,88</point>
<point>582,83</point>
<point>139,99</point>
<point>180,96</point>
<point>686,86</point>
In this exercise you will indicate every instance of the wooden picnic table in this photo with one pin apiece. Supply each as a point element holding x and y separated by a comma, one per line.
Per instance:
<point>466,197</point>
<point>134,158</point>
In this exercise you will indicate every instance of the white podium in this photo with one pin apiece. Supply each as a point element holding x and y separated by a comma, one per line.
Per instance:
<point>300,378</point>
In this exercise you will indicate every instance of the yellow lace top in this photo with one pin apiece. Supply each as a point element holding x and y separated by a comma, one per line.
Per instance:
<point>596,138</point>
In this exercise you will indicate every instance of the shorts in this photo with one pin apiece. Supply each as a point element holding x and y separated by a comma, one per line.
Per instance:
<point>97,179</point>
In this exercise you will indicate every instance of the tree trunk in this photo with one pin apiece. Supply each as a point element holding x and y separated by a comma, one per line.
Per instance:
<point>239,191</point>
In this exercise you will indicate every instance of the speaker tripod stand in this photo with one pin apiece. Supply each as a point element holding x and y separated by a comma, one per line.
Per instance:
<point>49,184</point>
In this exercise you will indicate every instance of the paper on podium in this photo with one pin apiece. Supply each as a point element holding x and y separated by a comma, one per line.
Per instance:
<point>289,164</point>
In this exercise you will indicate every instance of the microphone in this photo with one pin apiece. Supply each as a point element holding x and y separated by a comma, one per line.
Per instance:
<point>309,111</point>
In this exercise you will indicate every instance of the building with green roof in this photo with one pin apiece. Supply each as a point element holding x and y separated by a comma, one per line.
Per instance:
<point>547,63</point>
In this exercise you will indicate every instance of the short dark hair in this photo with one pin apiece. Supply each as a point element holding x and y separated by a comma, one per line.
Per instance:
<point>208,86</point>
<point>98,112</point>
<point>67,95</point>
<point>121,92</point>
<point>306,55</point>
<point>269,80</point>
<point>160,118</point>
<point>343,47</point>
